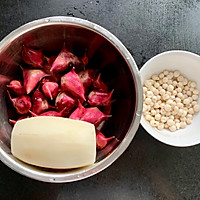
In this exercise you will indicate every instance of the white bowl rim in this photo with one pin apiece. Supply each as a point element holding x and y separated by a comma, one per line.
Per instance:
<point>143,121</point>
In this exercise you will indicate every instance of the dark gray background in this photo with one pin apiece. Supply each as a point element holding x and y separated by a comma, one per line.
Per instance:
<point>148,169</point>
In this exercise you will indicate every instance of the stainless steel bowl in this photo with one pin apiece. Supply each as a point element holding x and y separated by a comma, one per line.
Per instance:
<point>106,54</point>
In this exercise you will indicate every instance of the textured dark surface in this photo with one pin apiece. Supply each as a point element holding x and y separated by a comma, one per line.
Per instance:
<point>148,170</point>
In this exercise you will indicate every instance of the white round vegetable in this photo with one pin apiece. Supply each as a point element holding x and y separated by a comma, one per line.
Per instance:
<point>170,100</point>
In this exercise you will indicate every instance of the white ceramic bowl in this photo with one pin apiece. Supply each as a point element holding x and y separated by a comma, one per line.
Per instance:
<point>189,65</point>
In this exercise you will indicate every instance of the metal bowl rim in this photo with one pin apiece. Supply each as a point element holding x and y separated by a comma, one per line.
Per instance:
<point>97,167</point>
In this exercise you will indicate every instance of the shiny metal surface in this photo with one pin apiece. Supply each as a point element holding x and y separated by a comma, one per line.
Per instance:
<point>107,54</point>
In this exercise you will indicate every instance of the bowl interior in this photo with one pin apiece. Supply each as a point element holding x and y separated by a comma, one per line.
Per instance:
<point>103,56</point>
<point>189,65</point>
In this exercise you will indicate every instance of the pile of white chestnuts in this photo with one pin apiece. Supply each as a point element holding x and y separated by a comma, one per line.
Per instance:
<point>170,100</point>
